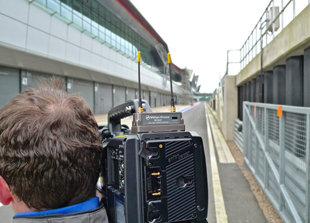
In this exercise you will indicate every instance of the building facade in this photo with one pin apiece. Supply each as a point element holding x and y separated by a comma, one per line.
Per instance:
<point>92,45</point>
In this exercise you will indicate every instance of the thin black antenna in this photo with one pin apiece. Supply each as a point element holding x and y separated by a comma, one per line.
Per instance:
<point>140,109</point>
<point>172,108</point>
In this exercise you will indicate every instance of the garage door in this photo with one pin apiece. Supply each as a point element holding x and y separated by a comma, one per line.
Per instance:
<point>83,88</point>
<point>131,94</point>
<point>9,84</point>
<point>103,98</point>
<point>119,95</point>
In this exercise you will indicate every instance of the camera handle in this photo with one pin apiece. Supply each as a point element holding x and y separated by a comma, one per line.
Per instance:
<point>122,111</point>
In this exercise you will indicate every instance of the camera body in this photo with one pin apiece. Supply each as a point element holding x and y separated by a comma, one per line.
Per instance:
<point>156,172</point>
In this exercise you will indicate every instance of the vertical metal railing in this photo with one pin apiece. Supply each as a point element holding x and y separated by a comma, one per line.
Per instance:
<point>266,166</point>
<point>282,163</point>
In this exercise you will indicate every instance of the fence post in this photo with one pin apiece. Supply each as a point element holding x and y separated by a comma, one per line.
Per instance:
<point>307,214</point>
<point>249,135</point>
<point>245,137</point>
<point>256,129</point>
<point>256,164</point>
<point>282,159</point>
<point>266,170</point>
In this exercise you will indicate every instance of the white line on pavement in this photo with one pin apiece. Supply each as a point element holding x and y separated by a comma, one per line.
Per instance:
<point>222,149</point>
<point>220,211</point>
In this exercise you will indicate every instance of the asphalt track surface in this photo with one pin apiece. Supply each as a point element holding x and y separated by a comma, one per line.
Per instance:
<point>230,197</point>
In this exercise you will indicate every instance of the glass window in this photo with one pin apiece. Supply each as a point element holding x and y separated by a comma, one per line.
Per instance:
<point>102,34</point>
<point>76,6</point>
<point>86,10</point>
<point>77,18</point>
<point>86,23</point>
<point>43,2</point>
<point>94,28</point>
<point>54,5</point>
<point>94,16</point>
<point>66,12</point>
<point>100,22</point>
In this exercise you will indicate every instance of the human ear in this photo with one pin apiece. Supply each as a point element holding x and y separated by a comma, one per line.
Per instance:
<point>5,195</point>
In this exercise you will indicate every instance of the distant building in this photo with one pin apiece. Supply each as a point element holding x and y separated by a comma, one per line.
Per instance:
<point>93,45</point>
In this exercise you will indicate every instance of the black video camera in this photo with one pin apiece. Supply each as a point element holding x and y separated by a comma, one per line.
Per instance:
<point>155,172</point>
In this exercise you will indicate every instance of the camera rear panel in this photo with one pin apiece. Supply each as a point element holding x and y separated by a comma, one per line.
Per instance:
<point>178,164</point>
<point>170,181</point>
<point>157,177</point>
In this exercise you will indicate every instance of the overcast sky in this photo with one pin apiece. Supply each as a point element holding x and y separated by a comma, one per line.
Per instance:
<point>199,32</point>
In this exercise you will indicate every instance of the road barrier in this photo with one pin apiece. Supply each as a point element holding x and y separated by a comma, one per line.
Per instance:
<point>276,149</point>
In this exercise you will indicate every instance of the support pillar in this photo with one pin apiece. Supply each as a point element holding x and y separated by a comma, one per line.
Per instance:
<point>294,81</point>
<point>230,107</point>
<point>268,98</point>
<point>249,88</point>
<point>253,90</point>
<point>279,84</point>
<point>240,95</point>
<point>259,95</point>
<point>306,79</point>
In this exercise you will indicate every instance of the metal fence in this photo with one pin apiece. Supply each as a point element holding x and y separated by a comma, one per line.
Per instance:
<point>238,135</point>
<point>277,15</point>
<point>276,149</point>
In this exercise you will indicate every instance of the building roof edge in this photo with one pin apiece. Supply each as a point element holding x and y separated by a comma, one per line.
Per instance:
<point>134,12</point>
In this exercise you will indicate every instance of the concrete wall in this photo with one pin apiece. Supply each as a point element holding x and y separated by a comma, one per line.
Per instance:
<point>225,115</point>
<point>294,36</point>
<point>219,108</point>
<point>230,111</point>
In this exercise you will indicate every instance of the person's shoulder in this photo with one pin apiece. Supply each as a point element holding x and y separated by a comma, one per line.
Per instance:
<point>97,215</point>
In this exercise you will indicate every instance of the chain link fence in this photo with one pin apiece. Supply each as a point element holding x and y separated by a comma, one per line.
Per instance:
<point>276,150</point>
